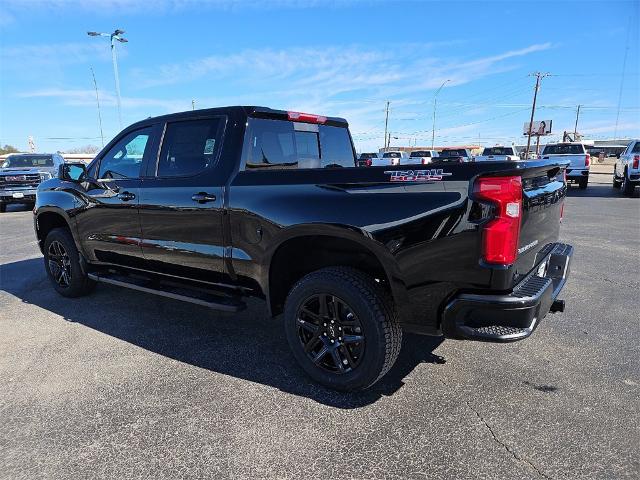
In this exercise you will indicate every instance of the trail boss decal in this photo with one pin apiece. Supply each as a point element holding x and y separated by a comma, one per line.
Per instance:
<point>417,175</point>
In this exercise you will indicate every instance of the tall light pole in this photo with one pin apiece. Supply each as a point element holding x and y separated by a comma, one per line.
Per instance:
<point>435,102</point>
<point>116,35</point>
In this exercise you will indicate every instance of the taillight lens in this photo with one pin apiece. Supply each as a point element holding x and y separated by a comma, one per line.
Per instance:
<point>368,162</point>
<point>500,235</point>
<point>636,161</point>
<point>587,160</point>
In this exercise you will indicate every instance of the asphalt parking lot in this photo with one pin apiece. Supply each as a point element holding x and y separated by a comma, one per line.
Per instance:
<point>123,384</point>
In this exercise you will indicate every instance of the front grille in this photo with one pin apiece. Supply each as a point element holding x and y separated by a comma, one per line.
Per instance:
<point>29,180</point>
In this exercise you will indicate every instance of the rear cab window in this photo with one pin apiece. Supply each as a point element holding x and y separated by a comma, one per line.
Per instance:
<point>564,149</point>
<point>420,153</point>
<point>454,153</point>
<point>392,155</point>
<point>280,144</point>
<point>498,151</point>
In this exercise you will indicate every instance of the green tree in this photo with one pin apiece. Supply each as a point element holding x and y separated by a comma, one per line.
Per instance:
<point>8,149</point>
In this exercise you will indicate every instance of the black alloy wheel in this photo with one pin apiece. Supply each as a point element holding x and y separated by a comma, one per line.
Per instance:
<point>330,333</point>
<point>342,327</point>
<point>59,264</point>
<point>62,263</point>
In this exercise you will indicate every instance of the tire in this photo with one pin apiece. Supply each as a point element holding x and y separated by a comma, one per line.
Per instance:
<point>62,263</point>
<point>365,312</point>
<point>583,182</point>
<point>616,182</point>
<point>3,207</point>
<point>627,186</point>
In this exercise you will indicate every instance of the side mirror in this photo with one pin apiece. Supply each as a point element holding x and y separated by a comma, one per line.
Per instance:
<point>72,172</point>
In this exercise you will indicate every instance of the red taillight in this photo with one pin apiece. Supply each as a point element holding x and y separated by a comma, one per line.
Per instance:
<point>500,235</point>
<point>306,117</point>
<point>368,162</point>
<point>587,160</point>
<point>636,161</point>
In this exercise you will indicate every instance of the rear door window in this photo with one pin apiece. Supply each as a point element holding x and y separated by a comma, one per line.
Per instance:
<point>278,144</point>
<point>189,147</point>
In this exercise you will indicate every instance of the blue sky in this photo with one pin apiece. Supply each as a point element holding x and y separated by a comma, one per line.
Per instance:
<point>343,58</point>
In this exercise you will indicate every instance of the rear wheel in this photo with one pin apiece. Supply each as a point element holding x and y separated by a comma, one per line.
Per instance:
<point>627,186</point>
<point>342,328</point>
<point>62,263</point>
<point>3,207</point>
<point>616,182</point>
<point>583,182</point>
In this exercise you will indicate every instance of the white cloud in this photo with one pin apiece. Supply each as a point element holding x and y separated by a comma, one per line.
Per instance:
<point>22,57</point>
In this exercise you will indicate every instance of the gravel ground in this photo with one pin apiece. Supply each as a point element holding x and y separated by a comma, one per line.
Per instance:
<point>123,384</point>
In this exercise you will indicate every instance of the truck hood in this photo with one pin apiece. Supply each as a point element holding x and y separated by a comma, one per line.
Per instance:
<point>24,170</point>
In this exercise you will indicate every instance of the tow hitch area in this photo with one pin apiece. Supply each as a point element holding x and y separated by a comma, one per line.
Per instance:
<point>514,316</point>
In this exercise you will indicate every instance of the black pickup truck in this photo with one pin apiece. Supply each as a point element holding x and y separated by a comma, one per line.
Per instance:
<point>217,205</point>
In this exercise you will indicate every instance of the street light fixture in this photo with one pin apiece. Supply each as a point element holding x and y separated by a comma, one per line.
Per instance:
<point>116,35</point>
<point>435,101</point>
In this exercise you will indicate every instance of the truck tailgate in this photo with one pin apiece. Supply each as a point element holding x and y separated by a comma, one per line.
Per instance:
<point>543,192</point>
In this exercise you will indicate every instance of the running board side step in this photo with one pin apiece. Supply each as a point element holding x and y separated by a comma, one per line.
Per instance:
<point>213,300</point>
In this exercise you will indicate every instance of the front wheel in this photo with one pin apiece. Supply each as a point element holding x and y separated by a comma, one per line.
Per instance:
<point>342,328</point>
<point>62,263</point>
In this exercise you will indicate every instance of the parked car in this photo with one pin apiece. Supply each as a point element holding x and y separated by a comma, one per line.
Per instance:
<point>366,159</point>
<point>498,154</point>
<point>391,158</point>
<point>423,157</point>
<point>237,202</point>
<point>461,153</point>
<point>626,170</point>
<point>21,173</point>
<point>576,153</point>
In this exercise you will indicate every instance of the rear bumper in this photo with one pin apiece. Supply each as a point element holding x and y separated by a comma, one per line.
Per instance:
<point>577,173</point>
<point>514,316</point>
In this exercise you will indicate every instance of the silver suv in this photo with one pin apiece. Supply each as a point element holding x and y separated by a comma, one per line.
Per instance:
<point>21,173</point>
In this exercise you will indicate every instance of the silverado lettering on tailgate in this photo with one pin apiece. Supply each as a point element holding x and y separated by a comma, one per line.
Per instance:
<point>417,175</point>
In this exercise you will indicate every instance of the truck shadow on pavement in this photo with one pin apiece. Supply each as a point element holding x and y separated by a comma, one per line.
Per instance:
<point>248,345</point>
<point>598,190</point>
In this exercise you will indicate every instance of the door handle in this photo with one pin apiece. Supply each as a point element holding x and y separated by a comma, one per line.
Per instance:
<point>202,197</point>
<point>126,196</point>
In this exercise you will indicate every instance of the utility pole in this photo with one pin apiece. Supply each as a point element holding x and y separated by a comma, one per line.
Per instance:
<point>193,104</point>
<point>435,102</point>
<point>95,85</point>
<point>538,76</point>
<point>575,128</point>
<point>386,123</point>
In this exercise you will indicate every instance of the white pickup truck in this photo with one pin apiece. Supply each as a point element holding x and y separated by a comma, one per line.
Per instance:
<point>423,157</point>
<point>498,154</point>
<point>626,171</point>
<point>578,171</point>
<point>391,158</point>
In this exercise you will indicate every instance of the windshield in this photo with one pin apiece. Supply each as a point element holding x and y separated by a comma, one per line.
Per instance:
<point>498,151</point>
<point>454,153</point>
<point>420,153</point>
<point>564,149</point>
<point>392,155</point>
<point>27,161</point>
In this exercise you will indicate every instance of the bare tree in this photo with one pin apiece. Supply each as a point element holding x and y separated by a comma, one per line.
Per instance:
<point>85,149</point>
